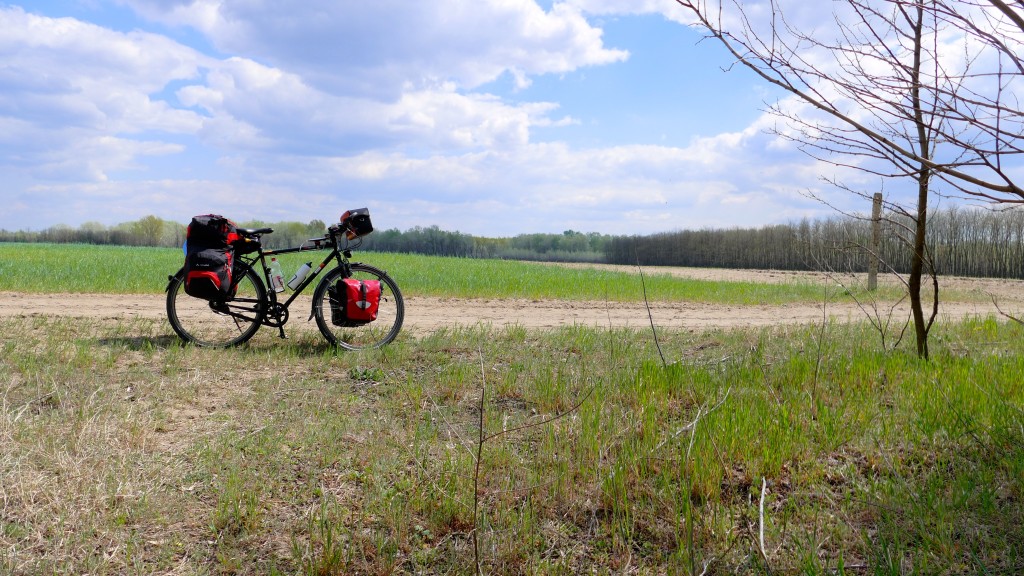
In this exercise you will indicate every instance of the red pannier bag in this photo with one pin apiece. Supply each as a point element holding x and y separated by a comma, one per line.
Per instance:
<point>354,302</point>
<point>210,257</point>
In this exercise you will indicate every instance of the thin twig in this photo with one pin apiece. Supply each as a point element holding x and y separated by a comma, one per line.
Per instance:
<point>464,443</point>
<point>817,363</point>
<point>476,472</point>
<point>574,408</point>
<point>1004,314</point>
<point>764,490</point>
<point>702,412</point>
<point>643,283</point>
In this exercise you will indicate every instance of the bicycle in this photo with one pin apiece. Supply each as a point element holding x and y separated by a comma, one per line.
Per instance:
<point>232,321</point>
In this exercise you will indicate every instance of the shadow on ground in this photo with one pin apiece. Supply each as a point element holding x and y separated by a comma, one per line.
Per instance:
<point>142,342</point>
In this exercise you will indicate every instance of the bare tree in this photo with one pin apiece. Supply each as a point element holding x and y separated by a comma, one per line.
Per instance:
<point>919,90</point>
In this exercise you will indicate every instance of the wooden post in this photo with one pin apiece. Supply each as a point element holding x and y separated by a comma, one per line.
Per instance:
<point>876,241</point>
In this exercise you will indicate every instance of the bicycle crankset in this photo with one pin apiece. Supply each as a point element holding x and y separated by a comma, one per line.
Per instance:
<point>276,316</point>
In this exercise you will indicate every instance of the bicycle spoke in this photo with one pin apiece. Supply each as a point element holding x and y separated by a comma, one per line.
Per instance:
<point>360,335</point>
<point>217,324</point>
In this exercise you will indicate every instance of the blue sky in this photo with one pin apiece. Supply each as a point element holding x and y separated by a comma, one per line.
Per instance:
<point>492,117</point>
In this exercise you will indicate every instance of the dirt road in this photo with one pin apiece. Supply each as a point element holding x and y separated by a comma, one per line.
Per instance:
<point>428,314</point>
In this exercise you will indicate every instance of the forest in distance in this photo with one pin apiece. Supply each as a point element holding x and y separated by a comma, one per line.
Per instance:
<point>961,242</point>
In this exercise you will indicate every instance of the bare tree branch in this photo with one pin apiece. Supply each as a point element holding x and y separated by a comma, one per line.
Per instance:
<point>920,90</point>
<point>780,63</point>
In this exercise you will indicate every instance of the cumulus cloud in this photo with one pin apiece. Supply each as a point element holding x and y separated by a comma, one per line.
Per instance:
<point>718,181</point>
<point>266,108</point>
<point>329,78</point>
<point>615,7</point>
<point>72,62</point>
<point>311,107</point>
<point>381,49</point>
<point>75,95</point>
<point>62,73</point>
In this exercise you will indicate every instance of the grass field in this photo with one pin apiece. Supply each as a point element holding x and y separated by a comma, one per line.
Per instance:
<point>790,450</point>
<point>125,270</point>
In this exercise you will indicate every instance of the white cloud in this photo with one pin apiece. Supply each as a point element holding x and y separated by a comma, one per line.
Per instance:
<point>73,92</point>
<point>70,54</point>
<point>63,74</point>
<point>173,199</point>
<point>622,7</point>
<point>321,106</point>
<point>538,187</point>
<point>385,47</point>
<point>551,186</point>
<point>267,108</point>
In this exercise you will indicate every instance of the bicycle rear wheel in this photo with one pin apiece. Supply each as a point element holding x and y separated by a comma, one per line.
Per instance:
<point>352,336</point>
<point>217,324</point>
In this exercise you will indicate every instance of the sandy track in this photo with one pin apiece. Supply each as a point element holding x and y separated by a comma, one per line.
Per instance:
<point>428,314</point>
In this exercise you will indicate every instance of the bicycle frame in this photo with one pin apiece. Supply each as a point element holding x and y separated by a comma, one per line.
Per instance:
<point>273,317</point>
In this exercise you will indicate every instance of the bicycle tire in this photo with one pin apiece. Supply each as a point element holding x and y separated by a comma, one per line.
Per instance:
<point>217,324</point>
<point>382,331</point>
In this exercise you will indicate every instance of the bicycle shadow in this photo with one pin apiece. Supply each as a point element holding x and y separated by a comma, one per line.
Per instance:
<point>142,342</point>
<point>299,348</point>
<point>302,348</point>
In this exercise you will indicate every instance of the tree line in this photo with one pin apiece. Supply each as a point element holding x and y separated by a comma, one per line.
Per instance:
<point>569,246</point>
<point>154,231</point>
<point>960,242</point>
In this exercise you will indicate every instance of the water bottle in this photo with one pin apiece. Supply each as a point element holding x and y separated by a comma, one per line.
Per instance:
<point>276,276</point>
<point>300,275</point>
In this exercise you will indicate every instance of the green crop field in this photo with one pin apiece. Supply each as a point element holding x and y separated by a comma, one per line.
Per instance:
<point>125,270</point>
<point>787,450</point>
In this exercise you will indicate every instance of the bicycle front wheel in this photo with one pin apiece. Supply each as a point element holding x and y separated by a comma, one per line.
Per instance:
<point>217,324</point>
<point>358,336</point>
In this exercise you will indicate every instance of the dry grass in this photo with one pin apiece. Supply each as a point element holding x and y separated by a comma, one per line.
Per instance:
<point>125,453</point>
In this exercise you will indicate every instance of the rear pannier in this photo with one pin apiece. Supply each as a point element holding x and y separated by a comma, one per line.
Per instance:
<point>354,302</point>
<point>210,257</point>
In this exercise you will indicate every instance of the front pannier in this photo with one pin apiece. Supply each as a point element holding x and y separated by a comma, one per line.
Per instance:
<point>210,257</point>
<point>354,302</point>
